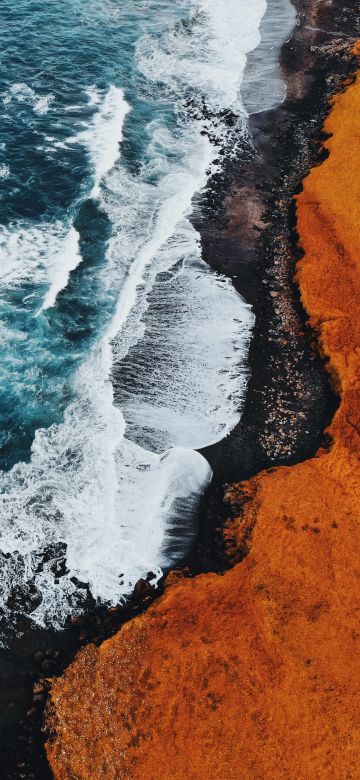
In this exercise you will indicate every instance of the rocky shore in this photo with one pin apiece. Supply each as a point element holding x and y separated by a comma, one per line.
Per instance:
<point>289,401</point>
<point>178,675</point>
<point>254,672</point>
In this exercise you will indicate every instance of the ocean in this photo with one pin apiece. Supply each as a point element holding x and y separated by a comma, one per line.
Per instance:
<point>122,353</point>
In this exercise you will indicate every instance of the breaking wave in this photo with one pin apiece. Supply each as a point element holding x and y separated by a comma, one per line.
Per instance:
<point>110,488</point>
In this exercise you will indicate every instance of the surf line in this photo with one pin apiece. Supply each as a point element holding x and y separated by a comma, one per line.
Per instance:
<point>102,140</point>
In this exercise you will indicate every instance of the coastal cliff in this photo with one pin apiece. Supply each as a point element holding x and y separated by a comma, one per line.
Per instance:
<point>253,673</point>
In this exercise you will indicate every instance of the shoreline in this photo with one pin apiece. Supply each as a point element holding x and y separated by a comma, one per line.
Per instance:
<point>242,444</point>
<point>259,665</point>
<point>289,401</point>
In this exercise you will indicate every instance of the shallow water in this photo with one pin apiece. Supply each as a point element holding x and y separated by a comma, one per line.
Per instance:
<point>122,353</point>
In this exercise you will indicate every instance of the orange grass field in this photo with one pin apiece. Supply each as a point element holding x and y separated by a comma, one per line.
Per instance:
<point>255,673</point>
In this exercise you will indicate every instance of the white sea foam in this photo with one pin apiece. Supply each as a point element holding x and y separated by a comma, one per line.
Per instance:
<point>201,359</point>
<point>103,137</point>
<point>207,54</point>
<point>109,501</point>
<point>102,140</point>
<point>114,487</point>
<point>48,252</point>
<point>262,87</point>
<point>177,367</point>
<point>63,262</point>
<point>31,253</point>
<point>22,93</point>
<point>87,486</point>
<point>164,207</point>
<point>4,171</point>
<point>231,30</point>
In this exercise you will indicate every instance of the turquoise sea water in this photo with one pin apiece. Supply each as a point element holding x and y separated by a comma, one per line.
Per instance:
<point>58,61</point>
<point>121,352</point>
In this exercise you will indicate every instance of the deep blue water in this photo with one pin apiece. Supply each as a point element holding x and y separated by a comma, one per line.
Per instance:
<point>51,54</point>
